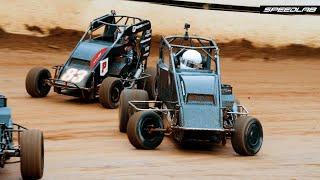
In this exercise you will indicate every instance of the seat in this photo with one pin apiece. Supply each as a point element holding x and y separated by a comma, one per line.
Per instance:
<point>109,33</point>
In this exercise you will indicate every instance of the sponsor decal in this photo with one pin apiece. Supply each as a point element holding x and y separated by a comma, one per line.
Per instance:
<point>104,67</point>
<point>290,9</point>
<point>145,40</point>
<point>97,57</point>
<point>147,48</point>
<point>148,33</point>
<point>135,28</point>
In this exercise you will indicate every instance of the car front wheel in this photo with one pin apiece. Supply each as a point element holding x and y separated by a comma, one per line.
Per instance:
<point>139,130</point>
<point>36,84</point>
<point>247,137</point>
<point>109,92</point>
<point>32,154</point>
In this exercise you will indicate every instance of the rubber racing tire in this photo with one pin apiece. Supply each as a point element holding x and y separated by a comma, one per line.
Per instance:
<point>126,96</point>
<point>137,130</point>
<point>248,136</point>
<point>32,154</point>
<point>35,82</point>
<point>140,84</point>
<point>151,83</point>
<point>109,92</point>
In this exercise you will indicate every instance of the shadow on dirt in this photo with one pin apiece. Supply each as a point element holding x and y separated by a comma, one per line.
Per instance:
<point>198,146</point>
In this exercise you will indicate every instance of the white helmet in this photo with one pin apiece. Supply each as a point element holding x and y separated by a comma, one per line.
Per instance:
<point>190,59</point>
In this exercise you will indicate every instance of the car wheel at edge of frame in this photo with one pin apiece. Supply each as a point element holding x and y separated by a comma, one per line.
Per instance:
<point>32,154</point>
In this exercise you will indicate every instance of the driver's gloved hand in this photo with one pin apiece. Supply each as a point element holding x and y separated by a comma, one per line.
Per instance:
<point>128,60</point>
<point>129,57</point>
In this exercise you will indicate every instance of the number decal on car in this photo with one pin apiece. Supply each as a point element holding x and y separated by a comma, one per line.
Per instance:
<point>74,75</point>
<point>104,67</point>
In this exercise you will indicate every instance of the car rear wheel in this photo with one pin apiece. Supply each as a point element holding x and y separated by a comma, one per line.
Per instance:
<point>151,83</point>
<point>32,154</point>
<point>36,84</point>
<point>139,130</point>
<point>126,96</point>
<point>248,136</point>
<point>109,92</point>
<point>140,84</point>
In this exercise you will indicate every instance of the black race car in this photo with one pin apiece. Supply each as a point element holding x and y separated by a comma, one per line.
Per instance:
<point>111,55</point>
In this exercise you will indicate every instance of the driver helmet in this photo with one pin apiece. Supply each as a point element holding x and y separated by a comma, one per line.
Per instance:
<point>190,59</point>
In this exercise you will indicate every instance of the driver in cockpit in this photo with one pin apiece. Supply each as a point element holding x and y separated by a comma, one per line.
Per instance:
<point>191,59</point>
<point>128,49</point>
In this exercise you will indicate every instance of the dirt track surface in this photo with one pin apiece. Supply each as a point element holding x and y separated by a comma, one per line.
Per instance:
<point>82,141</point>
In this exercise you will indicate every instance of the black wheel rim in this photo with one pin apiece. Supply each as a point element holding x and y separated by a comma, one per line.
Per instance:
<point>42,84</point>
<point>254,136</point>
<point>115,92</point>
<point>147,124</point>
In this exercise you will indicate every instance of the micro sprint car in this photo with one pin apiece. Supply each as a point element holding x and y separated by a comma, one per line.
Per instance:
<point>111,55</point>
<point>29,145</point>
<point>192,104</point>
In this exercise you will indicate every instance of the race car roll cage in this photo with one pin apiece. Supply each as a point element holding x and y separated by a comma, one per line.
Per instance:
<point>94,25</point>
<point>161,106</point>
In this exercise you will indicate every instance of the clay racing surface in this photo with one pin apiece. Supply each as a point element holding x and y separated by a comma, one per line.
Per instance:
<point>82,141</point>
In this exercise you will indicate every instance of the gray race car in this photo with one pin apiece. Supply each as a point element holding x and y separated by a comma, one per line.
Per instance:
<point>192,103</point>
<point>18,141</point>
